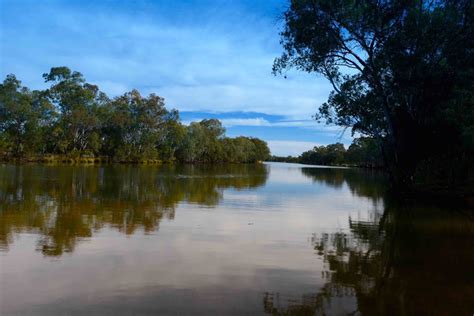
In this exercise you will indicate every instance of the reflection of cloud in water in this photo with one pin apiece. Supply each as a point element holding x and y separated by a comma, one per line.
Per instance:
<point>321,243</point>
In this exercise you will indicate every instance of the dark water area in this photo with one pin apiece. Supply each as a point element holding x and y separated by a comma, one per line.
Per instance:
<point>277,239</point>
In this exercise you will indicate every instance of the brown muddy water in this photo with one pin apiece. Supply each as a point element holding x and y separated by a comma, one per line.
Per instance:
<point>278,239</point>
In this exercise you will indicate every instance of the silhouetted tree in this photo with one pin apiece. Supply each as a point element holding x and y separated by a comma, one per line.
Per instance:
<point>402,73</point>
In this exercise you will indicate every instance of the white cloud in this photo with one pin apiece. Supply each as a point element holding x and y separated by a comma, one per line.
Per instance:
<point>198,62</point>
<point>245,122</point>
<point>260,121</point>
<point>215,59</point>
<point>293,148</point>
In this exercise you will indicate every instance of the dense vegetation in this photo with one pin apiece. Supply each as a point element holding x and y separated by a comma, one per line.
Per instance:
<point>363,152</point>
<point>73,120</point>
<point>402,73</point>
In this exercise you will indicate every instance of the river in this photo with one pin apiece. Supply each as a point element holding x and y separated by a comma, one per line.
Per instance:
<point>278,239</point>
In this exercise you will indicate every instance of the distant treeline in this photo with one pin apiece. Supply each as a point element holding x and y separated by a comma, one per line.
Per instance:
<point>363,152</point>
<point>73,120</point>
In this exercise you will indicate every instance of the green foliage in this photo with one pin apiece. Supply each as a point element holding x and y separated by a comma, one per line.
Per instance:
<point>332,154</point>
<point>23,116</point>
<point>262,152</point>
<point>363,152</point>
<point>134,125</point>
<point>205,142</point>
<point>289,159</point>
<point>402,72</point>
<point>74,121</point>
<point>172,136</point>
<point>78,104</point>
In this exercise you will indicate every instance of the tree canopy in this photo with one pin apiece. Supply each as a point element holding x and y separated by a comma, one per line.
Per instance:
<point>73,119</point>
<point>402,73</point>
<point>363,152</point>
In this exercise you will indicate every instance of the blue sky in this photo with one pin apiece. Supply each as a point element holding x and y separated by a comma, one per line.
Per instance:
<point>206,58</point>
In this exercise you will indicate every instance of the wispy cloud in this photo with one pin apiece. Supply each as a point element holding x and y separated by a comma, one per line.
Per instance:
<point>265,122</point>
<point>293,148</point>
<point>201,56</point>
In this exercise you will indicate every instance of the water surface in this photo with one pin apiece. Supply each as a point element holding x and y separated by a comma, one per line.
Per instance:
<point>277,239</point>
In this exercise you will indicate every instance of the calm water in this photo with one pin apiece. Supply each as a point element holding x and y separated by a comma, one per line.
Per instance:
<point>275,239</point>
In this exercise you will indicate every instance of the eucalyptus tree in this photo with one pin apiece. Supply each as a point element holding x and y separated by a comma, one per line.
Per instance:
<point>134,126</point>
<point>262,152</point>
<point>78,103</point>
<point>332,154</point>
<point>172,136</point>
<point>402,72</point>
<point>24,116</point>
<point>364,151</point>
<point>245,149</point>
<point>75,120</point>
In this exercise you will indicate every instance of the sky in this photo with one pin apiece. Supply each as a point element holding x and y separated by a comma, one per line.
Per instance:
<point>208,59</point>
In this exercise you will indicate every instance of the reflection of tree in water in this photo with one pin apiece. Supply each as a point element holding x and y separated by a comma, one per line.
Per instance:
<point>413,260</point>
<point>66,203</point>
<point>409,259</point>
<point>361,182</point>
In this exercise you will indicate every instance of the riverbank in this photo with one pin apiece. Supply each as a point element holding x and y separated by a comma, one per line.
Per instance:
<point>426,191</point>
<point>77,160</point>
<point>344,165</point>
<point>57,159</point>
<point>163,230</point>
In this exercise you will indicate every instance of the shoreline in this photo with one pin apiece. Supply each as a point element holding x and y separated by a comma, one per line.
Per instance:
<point>110,161</point>
<point>339,166</point>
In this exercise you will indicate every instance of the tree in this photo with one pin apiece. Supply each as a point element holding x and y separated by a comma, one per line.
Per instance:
<point>401,72</point>
<point>262,152</point>
<point>332,154</point>
<point>245,149</point>
<point>364,151</point>
<point>203,142</point>
<point>193,146</point>
<point>172,137</point>
<point>78,103</point>
<point>213,128</point>
<point>212,142</point>
<point>134,126</point>
<point>76,121</point>
<point>23,116</point>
